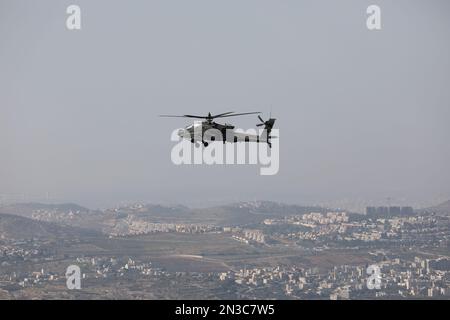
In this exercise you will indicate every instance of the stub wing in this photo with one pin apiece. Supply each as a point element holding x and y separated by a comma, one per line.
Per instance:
<point>246,137</point>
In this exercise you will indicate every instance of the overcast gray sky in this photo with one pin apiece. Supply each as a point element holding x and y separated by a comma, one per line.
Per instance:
<point>362,114</point>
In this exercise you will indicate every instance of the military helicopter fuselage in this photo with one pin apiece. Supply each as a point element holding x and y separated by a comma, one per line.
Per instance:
<point>204,126</point>
<point>207,130</point>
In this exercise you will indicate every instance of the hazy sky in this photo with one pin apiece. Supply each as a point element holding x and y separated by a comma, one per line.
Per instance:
<point>362,114</point>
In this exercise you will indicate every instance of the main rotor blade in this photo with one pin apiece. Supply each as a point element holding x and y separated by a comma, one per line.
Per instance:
<point>238,114</point>
<point>259,117</point>
<point>192,116</point>
<point>221,114</point>
<point>184,116</point>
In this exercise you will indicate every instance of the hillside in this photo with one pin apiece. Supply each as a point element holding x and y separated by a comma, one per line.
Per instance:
<point>243,213</point>
<point>17,227</point>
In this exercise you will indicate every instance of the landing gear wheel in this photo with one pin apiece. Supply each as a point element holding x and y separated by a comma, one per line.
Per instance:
<point>205,143</point>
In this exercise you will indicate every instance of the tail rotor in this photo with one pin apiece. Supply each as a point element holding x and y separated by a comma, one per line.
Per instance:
<point>268,125</point>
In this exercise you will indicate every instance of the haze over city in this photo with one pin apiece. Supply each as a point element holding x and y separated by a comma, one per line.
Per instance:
<point>351,98</point>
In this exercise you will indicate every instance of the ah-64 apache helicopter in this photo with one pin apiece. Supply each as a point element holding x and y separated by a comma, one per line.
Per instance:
<point>201,131</point>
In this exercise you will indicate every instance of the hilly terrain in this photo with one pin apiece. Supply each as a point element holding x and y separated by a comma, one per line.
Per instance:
<point>41,218</point>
